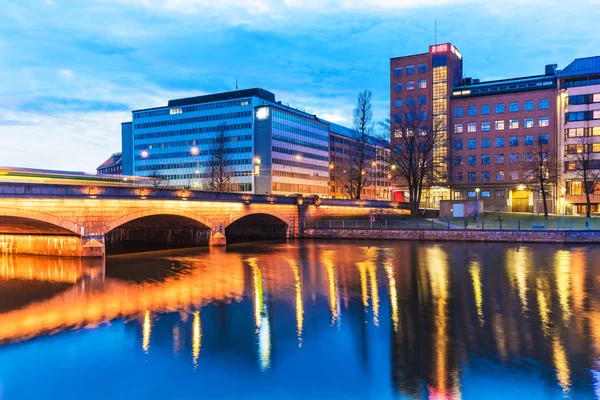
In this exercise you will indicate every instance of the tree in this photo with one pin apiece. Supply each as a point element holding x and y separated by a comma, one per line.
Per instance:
<point>156,178</point>
<point>357,179</point>
<point>416,153</point>
<point>541,170</point>
<point>587,170</point>
<point>220,173</point>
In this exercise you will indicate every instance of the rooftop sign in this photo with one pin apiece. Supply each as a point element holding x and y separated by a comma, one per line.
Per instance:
<point>444,48</point>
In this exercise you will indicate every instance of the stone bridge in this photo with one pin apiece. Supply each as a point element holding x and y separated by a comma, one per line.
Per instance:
<point>83,221</point>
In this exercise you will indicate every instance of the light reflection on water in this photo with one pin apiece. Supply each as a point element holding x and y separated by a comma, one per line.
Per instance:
<point>348,320</point>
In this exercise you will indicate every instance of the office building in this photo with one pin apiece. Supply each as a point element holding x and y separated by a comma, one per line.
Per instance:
<point>112,166</point>
<point>579,132</point>
<point>420,87</point>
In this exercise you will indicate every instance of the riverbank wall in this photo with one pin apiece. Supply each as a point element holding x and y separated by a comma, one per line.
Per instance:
<point>457,235</point>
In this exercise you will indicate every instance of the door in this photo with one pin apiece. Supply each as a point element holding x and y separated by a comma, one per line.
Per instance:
<point>520,201</point>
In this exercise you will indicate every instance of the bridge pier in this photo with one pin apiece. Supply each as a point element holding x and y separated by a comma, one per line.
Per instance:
<point>93,246</point>
<point>217,239</point>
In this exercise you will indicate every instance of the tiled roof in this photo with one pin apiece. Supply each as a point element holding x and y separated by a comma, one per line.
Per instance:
<point>581,67</point>
<point>115,159</point>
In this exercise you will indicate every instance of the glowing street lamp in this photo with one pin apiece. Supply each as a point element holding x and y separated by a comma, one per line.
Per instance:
<point>194,151</point>
<point>144,154</point>
<point>331,166</point>
<point>477,193</point>
<point>394,166</point>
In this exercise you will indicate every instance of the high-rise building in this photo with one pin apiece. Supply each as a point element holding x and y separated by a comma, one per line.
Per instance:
<point>497,130</point>
<point>268,147</point>
<point>579,132</point>
<point>420,87</point>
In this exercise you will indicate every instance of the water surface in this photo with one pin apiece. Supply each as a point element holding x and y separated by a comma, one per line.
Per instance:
<point>303,320</point>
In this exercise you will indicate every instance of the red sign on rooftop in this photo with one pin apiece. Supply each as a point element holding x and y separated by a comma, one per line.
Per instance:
<point>444,48</point>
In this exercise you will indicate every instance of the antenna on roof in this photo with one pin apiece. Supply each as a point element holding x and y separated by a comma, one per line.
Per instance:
<point>236,84</point>
<point>435,30</point>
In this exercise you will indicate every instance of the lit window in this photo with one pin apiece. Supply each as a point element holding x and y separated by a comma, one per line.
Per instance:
<point>472,194</point>
<point>485,194</point>
<point>472,111</point>
<point>471,144</point>
<point>513,175</point>
<point>175,111</point>
<point>485,126</point>
<point>458,112</point>
<point>422,68</point>
<point>528,140</point>
<point>485,143</point>
<point>398,103</point>
<point>485,109</point>
<point>543,104</point>
<point>500,108</point>
<point>472,127</point>
<point>398,71</point>
<point>410,69</point>
<point>513,106</point>
<point>528,105</point>
<point>513,141</point>
<point>499,158</point>
<point>513,124</point>
<point>398,87</point>
<point>422,84</point>
<point>499,142</point>
<point>410,85</point>
<point>596,98</point>
<point>500,177</point>
<point>499,125</point>
<point>543,121</point>
<point>458,128</point>
<point>528,123</point>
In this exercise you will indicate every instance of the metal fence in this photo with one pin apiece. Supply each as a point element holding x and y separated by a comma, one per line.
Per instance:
<point>453,224</point>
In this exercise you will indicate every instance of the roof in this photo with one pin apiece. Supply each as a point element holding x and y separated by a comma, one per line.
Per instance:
<point>237,94</point>
<point>581,67</point>
<point>520,84</point>
<point>349,133</point>
<point>292,110</point>
<point>113,160</point>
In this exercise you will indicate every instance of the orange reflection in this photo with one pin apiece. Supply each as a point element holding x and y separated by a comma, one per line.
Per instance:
<point>299,304</point>
<point>333,292</point>
<point>562,267</point>
<point>518,262</point>
<point>389,269</point>
<point>196,338</point>
<point>40,268</point>
<point>147,329</point>
<point>475,272</point>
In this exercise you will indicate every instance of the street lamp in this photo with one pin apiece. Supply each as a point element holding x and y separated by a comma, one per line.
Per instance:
<point>477,193</point>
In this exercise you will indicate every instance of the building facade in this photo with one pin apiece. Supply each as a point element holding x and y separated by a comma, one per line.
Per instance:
<point>579,132</point>
<point>112,166</point>
<point>268,147</point>
<point>499,129</point>
<point>420,88</point>
<point>343,147</point>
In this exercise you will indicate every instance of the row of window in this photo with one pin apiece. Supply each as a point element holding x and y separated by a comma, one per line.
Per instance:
<point>582,132</point>
<point>581,148</point>
<point>189,143</point>
<point>195,164</point>
<point>200,107</point>
<point>203,118</point>
<point>410,85</point>
<point>577,82</point>
<point>577,189</point>
<point>513,158</point>
<point>410,116</point>
<point>324,136</point>
<point>283,150</point>
<point>486,126</point>
<point>513,141</point>
<point>207,129</point>
<point>485,194</point>
<point>576,165</point>
<point>180,154</point>
<point>485,176</point>
<point>410,101</point>
<point>513,106</point>
<point>298,142</point>
<point>584,99</point>
<point>299,164</point>
<point>582,115</point>
<point>410,69</point>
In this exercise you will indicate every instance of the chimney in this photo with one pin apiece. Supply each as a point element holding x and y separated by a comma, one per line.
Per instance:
<point>550,68</point>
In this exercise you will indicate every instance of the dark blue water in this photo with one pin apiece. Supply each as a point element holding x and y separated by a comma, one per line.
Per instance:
<point>305,320</point>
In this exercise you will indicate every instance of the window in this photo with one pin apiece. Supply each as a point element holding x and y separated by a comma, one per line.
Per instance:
<point>458,112</point>
<point>458,161</point>
<point>410,101</point>
<point>422,115</point>
<point>499,108</point>
<point>422,68</point>
<point>528,157</point>
<point>485,143</point>
<point>596,98</point>
<point>458,128</point>
<point>544,138</point>
<point>410,85</point>
<point>485,109</point>
<point>472,127</point>
<point>398,71</point>
<point>500,176</point>
<point>499,125</point>
<point>472,111</point>
<point>422,100</point>
<point>513,158</point>
<point>513,176</point>
<point>543,121</point>
<point>410,116</point>
<point>577,132</point>
<point>485,159</point>
<point>458,195</point>
<point>398,118</point>
<point>472,194</point>
<point>499,194</point>
<point>513,124</point>
<point>422,84</point>
<point>596,114</point>
<point>410,69</point>
<point>485,126</point>
<point>499,158</point>
<point>472,160</point>
<point>528,123</point>
<point>575,188</point>
<point>398,87</point>
<point>458,145</point>
<point>485,176</point>
<point>471,144</point>
<point>574,148</point>
<point>398,103</point>
<point>458,176</point>
<point>528,140</point>
<point>574,100</point>
<point>485,194</point>
<point>499,142</point>
<point>528,105</point>
<point>472,177</point>
<point>513,106</point>
<point>543,104</point>
<point>576,116</point>
<point>422,131</point>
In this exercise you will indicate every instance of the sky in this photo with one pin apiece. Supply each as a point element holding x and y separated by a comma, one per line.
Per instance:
<point>72,70</point>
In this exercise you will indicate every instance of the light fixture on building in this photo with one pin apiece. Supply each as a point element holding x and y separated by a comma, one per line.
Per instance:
<point>331,166</point>
<point>298,156</point>
<point>521,187</point>
<point>262,113</point>
<point>194,151</point>
<point>144,154</point>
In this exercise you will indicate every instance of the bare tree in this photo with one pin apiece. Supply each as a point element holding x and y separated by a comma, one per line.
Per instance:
<point>156,178</point>
<point>413,146</point>
<point>586,169</point>
<point>541,170</point>
<point>357,179</point>
<point>220,173</point>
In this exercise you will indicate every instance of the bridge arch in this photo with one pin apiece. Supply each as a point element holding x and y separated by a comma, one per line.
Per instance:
<point>122,220</point>
<point>24,214</point>
<point>238,217</point>
<point>257,225</point>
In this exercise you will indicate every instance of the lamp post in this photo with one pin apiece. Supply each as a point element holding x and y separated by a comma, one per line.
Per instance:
<point>564,190</point>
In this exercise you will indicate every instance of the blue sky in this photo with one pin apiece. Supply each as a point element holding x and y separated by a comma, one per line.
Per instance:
<point>71,70</point>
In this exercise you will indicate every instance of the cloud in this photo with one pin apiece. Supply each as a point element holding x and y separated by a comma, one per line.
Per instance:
<point>51,104</point>
<point>66,74</point>
<point>13,122</point>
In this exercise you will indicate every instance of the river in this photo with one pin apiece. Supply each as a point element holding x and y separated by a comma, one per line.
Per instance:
<point>305,320</point>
